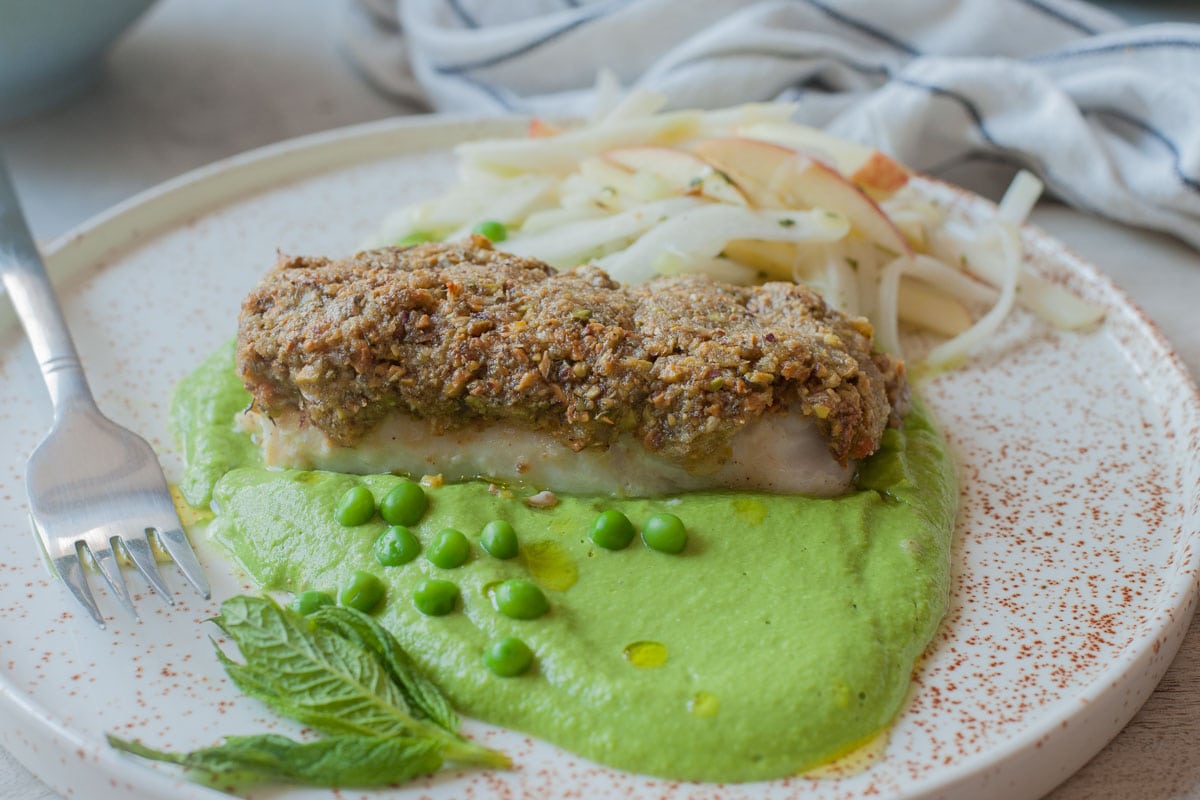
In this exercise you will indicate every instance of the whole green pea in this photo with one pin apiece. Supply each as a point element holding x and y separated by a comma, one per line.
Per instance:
<point>492,229</point>
<point>362,591</point>
<point>519,599</point>
<point>396,546</point>
<point>449,549</point>
<point>508,657</point>
<point>612,530</point>
<point>435,598</point>
<point>404,504</point>
<point>310,601</point>
<point>665,533</point>
<point>499,539</point>
<point>356,507</point>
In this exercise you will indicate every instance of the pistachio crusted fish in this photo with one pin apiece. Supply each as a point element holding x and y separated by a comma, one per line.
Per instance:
<point>460,337</point>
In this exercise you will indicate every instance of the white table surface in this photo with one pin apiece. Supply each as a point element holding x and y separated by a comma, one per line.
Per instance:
<point>188,86</point>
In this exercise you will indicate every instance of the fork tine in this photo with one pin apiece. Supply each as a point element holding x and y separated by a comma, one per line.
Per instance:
<point>70,569</point>
<point>106,562</point>
<point>138,548</point>
<point>175,542</point>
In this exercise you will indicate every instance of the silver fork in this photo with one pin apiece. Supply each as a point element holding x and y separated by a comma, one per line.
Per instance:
<point>95,489</point>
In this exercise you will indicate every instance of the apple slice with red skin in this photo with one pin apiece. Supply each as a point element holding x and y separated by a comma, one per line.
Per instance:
<point>878,174</point>
<point>772,176</point>
<point>680,170</point>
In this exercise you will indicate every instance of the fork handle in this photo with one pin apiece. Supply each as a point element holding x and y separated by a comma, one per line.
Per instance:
<point>37,307</point>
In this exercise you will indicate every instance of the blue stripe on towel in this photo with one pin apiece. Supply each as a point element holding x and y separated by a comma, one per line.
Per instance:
<point>820,59</point>
<point>1061,16</point>
<point>833,58</point>
<point>1154,133</point>
<point>494,92</point>
<point>863,27</point>
<point>967,104</point>
<point>546,38</point>
<point>1062,188</point>
<point>463,15</point>
<point>1118,47</point>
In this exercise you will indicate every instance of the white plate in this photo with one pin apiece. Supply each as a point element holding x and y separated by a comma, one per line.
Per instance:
<point>1074,567</point>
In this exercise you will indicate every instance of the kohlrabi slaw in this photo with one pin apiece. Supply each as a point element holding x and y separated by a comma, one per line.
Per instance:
<point>746,196</point>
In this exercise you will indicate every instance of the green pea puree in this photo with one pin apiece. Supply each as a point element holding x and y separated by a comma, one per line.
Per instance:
<point>781,637</point>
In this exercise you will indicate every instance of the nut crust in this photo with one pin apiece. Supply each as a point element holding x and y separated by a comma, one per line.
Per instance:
<point>462,334</point>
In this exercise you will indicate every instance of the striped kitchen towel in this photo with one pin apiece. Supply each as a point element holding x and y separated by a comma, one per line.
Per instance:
<point>968,90</point>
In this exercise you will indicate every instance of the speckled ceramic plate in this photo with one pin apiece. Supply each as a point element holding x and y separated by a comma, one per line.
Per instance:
<point>1074,567</point>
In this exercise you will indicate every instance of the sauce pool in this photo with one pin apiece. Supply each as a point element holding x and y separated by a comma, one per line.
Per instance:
<point>783,635</point>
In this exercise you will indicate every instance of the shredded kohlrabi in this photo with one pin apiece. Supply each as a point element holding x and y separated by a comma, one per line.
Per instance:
<point>744,195</point>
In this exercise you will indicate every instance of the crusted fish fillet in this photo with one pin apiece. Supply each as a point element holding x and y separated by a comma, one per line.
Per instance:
<point>463,360</point>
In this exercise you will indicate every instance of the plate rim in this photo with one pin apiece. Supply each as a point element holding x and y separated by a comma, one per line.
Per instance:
<point>194,193</point>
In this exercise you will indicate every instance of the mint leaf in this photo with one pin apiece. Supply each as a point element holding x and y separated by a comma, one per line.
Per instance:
<point>257,683</point>
<point>326,682</point>
<point>351,761</point>
<point>344,675</point>
<point>423,697</point>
